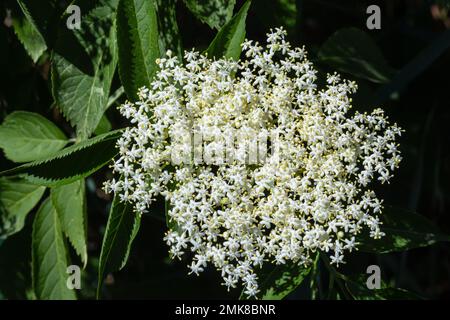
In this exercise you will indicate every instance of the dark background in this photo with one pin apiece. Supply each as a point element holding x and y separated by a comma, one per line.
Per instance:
<point>419,103</point>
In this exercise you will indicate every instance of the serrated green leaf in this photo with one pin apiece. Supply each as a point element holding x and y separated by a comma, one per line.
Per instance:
<point>69,202</point>
<point>404,230</point>
<point>228,40</point>
<point>30,37</point>
<point>137,38</point>
<point>49,256</point>
<point>353,51</point>
<point>17,198</point>
<point>170,38</point>
<point>83,66</point>
<point>42,15</point>
<point>27,136</point>
<point>121,229</point>
<point>70,164</point>
<point>215,13</point>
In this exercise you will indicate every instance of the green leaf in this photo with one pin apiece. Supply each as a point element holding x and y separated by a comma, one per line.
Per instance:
<point>121,229</point>
<point>30,37</point>
<point>352,51</point>
<point>17,198</point>
<point>315,278</point>
<point>69,202</point>
<point>70,164</point>
<point>104,126</point>
<point>280,281</point>
<point>27,136</point>
<point>49,256</point>
<point>137,38</point>
<point>167,21</point>
<point>83,66</point>
<point>43,16</point>
<point>228,40</point>
<point>359,291</point>
<point>215,13</point>
<point>404,230</point>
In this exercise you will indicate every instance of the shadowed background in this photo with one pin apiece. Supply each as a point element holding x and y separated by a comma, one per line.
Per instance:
<point>402,67</point>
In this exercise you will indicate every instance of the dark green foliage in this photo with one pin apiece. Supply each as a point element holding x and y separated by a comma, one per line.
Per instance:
<point>70,164</point>
<point>121,229</point>
<point>137,37</point>
<point>227,42</point>
<point>404,230</point>
<point>59,128</point>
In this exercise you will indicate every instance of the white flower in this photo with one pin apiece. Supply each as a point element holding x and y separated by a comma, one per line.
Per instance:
<point>309,194</point>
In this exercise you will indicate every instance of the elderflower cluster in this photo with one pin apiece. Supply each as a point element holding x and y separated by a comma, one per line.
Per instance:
<point>311,195</point>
